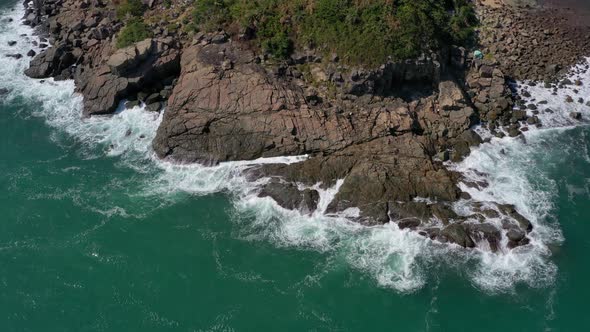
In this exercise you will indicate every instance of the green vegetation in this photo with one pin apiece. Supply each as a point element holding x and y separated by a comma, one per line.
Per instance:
<point>134,31</point>
<point>128,8</point>
<point>131,11</point>
<point>359,31</point>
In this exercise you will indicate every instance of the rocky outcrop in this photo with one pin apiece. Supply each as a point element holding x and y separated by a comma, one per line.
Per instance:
<point>51,62</point>
<point>227,107</point>
<point>82,35</point>
<point>534,44</point>
<point>381,134</point>
<point>127,72</point>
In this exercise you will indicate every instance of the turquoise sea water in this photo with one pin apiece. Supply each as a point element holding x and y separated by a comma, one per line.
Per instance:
<point>96,235</point>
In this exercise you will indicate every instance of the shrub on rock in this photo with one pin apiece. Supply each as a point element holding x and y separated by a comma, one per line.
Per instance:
<point>361,32</point>
<point>130,8</point>
<point>134,31</point>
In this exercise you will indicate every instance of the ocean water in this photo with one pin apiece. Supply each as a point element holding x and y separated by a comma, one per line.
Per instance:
<point>98,235</point>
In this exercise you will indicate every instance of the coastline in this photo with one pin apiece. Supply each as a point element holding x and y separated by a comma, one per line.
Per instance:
<point>367,249</point>
<point>437,221</point>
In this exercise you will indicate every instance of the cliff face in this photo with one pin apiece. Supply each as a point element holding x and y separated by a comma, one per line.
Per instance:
<point>385,132</point>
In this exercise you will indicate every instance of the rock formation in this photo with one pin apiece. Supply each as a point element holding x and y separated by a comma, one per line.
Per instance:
<point>385,132</point>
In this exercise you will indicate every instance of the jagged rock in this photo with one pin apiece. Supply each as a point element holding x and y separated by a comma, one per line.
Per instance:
<point>130,57</point>
<point>154,107</point>
<point>50,62</point>
<point>456,233</point>
<point>290,197</point>
<point>411,223</point>
<point>515,234</point>
<point>486,231</point>
<point>523,222</point>
<point>127,71</point>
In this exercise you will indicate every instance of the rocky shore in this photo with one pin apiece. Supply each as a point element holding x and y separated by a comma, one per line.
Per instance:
<point>386,132</point>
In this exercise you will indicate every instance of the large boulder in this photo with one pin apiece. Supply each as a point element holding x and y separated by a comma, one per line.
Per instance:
<point>130,57</point>
<point>451,96</point>
<point>50,62</point>
<point>485,232</point>
<point>456,233</point>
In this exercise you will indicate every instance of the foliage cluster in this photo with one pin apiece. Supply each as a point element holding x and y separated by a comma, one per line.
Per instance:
<point>359,31</point>
<point>127,8</point>
<point>133,31</point>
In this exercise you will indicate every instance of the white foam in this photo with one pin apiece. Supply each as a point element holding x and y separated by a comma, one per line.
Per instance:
<point>394,258</point>
<point>515,170</point>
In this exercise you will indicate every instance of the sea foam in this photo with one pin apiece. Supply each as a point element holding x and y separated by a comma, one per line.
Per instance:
<point>398,259</point>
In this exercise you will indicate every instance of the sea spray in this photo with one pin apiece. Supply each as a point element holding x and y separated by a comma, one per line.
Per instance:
<point>394,258</point>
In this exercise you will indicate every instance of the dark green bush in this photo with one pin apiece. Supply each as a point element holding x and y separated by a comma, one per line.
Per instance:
<point>208,15</point>
<point>359,31</point>
<point>130,8</point>
<point>134,31</point>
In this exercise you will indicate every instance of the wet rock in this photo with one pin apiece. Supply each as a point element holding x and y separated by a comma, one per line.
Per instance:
<point>443,212</point>
<point>290,197</point>
<point>410,223</point>
<point>519,115</point>
<point>11,43</point>
<point>514,132</point>
<point>152,98</point>
<point>50,62</point>
<point>515,234</point>
<point>14,56</point>
<point>132,104</point>
<point>486,231</point>
<point>31,53</point>
<point>576,115</point>
<point>154,107</point>
<point>456,233</point>
<point>523,222</point>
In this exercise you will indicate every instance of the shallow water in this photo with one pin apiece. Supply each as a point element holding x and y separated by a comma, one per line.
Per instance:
<point>96,234</point>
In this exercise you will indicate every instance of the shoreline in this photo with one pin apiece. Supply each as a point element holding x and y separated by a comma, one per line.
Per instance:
<point>411,214</point>
<point>495,272</point>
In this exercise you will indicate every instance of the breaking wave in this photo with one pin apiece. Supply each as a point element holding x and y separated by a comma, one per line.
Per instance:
<point>394,258</point>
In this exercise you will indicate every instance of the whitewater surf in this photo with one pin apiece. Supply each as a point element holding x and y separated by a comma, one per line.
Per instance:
<point>398,259</point>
